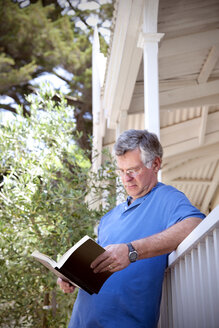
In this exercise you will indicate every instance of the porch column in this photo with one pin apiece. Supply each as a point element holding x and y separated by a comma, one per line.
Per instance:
<point>149,42</point>
<point>151,83</point>
<point>98,71</point>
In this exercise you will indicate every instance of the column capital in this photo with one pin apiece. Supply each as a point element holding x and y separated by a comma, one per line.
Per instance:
<point>148,38</point>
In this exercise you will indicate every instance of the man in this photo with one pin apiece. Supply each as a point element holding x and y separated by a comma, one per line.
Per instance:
<point>137,235</point>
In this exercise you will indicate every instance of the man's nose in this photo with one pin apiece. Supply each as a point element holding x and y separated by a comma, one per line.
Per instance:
<point>127,177</point>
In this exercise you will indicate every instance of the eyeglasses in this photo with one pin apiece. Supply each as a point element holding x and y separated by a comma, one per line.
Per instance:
<point>131,173</point>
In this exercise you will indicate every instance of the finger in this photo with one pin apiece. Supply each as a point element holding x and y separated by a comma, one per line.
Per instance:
<point>59,280</point>
<point>100,259</point>
<point>104,266</point>
<point>62,283</point>
<point>112,268</point>
<point>67,288</point>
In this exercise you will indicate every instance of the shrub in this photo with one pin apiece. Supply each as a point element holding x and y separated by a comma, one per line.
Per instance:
<point>45,180</point>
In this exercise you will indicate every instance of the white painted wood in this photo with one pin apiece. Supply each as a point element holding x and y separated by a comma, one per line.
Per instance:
<point>151,92</point>
<point>180,132</point>
<point>193,279</point>
<point>215,199</point>
<point>189,145</point>
<point>96,77</point>
<point>188,43</point>
<point>151,84</point>
<point>124,54</point>
<point>116,55</point>
<point>98,68</point>
<point>137,102</point>
<point>190,17</point>
<point>135,121</point>
<point>196,157</point>
<point>211,189</point>
<point>125,84</point>
<point>171,172</point>
<point>204,295</point>
<point>189,291</point>
<point>122,125</point>
<point>209,100</point>
<point>182,65</point>
<point>209,64</point>
<point>216,250</point>
<point>189,93</point>
<point>204,228</point>
<point>187,130</point>
<point>212,281</point>
<point>175,84</point>
<point>192,182</point>
<point>175,306</point>
<point>182,296</point>
<point>212,123</point>
<point>203,125</point>
<point>149,37</point>
<point>150,16</point>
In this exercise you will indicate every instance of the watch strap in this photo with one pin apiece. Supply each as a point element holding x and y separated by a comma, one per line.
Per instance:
<point>130,247</point>
<point>133,254</point>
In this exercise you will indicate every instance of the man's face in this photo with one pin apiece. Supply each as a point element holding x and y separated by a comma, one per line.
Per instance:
<point>139,185</point>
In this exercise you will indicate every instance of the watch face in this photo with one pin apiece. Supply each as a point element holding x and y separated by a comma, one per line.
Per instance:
<point>133,256</point>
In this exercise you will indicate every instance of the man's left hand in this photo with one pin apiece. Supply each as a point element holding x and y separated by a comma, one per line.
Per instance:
<point>115,258</point>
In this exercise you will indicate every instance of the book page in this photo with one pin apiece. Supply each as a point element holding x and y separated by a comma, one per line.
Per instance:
<point>44,259</point>
<point>51,265</point>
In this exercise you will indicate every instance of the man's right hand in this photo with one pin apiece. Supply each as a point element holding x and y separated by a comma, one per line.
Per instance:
<point>65,286</point>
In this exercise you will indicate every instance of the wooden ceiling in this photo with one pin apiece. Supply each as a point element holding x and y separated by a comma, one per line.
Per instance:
<point>188,90</point>
<point>189,97</point>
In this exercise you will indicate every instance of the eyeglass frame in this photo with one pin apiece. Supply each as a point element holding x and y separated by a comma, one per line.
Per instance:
<point>131,172</point>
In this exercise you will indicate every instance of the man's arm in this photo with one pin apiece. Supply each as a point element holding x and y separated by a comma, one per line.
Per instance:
<point>116,256</point>
<point>167,240</point>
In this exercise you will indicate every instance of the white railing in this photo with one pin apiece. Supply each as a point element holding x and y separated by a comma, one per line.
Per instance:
<point>191,285</point>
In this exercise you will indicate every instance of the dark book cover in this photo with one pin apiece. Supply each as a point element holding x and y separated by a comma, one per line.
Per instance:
<point>75,265</point>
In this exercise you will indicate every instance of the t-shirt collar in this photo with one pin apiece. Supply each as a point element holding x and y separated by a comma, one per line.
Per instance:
<point>139,200</point>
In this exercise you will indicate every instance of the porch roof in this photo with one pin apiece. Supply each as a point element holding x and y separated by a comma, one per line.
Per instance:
<point>188,90</point>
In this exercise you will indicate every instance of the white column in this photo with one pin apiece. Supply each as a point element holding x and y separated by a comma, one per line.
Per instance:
<point>151,85</point>
<point>151,82</point>
<point>148,40</point>
<point>98,71</point>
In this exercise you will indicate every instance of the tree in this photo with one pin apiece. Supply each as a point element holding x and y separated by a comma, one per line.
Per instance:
<point>42,38</point>
<point>43,205</point>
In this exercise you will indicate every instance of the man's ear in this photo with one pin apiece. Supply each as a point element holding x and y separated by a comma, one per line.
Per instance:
<point>156,164</point>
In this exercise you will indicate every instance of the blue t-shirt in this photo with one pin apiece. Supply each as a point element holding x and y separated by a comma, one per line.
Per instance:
<point>130,298</point>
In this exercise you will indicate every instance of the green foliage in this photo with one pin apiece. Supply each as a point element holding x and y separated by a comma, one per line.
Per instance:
<point>39,39</point>
<point>45,182</point>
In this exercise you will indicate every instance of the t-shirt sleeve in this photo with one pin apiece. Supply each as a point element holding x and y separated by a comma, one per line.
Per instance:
<point>181,209</point>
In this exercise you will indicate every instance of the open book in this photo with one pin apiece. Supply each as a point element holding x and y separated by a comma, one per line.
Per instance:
<point>74,265</point>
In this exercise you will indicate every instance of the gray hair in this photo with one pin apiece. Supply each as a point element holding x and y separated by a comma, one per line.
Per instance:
<point>147,142</point>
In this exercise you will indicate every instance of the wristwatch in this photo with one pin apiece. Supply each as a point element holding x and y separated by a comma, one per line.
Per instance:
<point>133,254</point>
